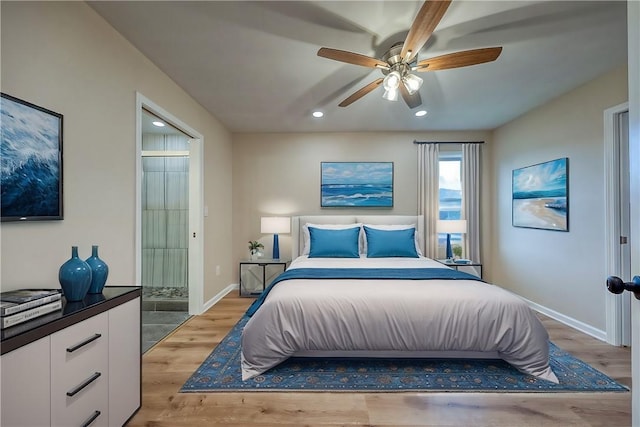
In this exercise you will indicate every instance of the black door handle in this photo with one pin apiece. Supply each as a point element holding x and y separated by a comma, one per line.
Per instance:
<point>617,286</point>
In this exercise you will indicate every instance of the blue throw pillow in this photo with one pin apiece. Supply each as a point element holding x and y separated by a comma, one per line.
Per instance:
<point>391,243</point>
<point>327,243</point>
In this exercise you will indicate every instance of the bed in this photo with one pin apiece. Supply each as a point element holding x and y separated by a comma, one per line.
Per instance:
<point>358,286</point>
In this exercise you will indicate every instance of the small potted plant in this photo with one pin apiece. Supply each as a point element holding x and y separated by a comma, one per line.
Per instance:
<point>457,251</point>
<point>254,249</point>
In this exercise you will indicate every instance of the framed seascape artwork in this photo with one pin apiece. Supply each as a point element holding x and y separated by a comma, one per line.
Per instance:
<point>31,161</point>
<point>540,196</point>
<point>356,184</point>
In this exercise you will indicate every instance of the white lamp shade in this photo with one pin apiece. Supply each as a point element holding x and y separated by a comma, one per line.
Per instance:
<point>452,226</point>
<point>275,225</point>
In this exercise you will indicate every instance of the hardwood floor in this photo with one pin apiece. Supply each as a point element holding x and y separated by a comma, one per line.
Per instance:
<point>170,363</point>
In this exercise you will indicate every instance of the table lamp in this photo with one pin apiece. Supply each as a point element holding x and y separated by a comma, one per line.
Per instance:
<point>275,225</point>
<point>450,227</point>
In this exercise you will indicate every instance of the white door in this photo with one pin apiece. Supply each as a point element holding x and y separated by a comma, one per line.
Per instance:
<point>196,227</point>
<point>625,221</point>
<point>633,57</point>
<point>634,151</point>
<point>617,250</point>
<point>634,169</point>
<point>629,255</point>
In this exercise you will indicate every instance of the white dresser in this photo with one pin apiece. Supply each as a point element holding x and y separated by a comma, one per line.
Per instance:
<point>78,367</point>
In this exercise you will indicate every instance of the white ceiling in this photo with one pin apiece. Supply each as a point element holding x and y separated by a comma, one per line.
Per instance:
<point>254,66</point>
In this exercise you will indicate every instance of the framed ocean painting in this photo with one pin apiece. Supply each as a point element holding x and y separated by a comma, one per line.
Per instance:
<point>356,184</point>
<point>540,196</point>
<point>31,161</point>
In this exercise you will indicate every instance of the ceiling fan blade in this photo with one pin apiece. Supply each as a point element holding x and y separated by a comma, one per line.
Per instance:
<point>361,92</point>
<point>412,101</point>
<point>351,58</point>
<point>459,59</point>
<point>423,26</point>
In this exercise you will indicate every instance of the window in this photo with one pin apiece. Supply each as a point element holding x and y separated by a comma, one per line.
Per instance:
<point>450,190</point>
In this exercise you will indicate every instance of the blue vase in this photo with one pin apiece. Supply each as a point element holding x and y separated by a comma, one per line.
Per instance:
<point>99,271</point>
<point>75,277</point>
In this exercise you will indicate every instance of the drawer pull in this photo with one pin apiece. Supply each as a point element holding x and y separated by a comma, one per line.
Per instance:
<point>83,343</point>
<point>88,381</point>
<point>91,419</point>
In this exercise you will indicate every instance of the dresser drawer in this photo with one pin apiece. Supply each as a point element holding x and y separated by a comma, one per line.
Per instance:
<point>80,373</point>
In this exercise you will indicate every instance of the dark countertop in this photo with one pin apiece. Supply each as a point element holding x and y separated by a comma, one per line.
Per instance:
<point>71,313</point>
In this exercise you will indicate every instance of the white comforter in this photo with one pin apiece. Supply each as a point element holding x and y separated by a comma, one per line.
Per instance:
<point>301,315</point>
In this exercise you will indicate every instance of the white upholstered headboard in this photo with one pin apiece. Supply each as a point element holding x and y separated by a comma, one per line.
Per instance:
<point>297,222</point>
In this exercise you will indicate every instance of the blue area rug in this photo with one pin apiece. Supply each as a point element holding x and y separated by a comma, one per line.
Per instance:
<point>221,372</point>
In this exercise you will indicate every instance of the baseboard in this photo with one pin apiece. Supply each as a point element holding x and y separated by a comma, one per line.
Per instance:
<point>213,301</point>
<point>569,321</point>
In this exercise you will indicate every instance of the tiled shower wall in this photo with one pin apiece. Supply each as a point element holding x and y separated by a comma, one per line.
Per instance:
<point>165,213</point>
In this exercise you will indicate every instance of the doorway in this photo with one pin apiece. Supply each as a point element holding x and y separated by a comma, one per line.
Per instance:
<point>617,218</point>
<point>169,220</point>
<point>165,228</point>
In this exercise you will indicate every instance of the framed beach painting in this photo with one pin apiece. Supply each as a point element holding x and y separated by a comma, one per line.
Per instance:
<point>31,172</point>
<point>356,184</point>
<point>540,196</point>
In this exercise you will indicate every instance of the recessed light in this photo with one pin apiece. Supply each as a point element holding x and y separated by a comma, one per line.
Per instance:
<point>421,113</point>
<point>317,114</point>
<point>159,124</point>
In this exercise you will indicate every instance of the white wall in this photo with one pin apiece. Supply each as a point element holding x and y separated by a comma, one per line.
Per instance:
<point>66,58</point>
<point>279,174</point>
<point>562,271</point>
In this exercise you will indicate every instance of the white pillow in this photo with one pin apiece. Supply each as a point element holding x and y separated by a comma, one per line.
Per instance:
<point>307,238</point>
<point>390,227</point>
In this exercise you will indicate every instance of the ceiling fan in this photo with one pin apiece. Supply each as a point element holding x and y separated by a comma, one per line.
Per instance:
<point>398,63</point>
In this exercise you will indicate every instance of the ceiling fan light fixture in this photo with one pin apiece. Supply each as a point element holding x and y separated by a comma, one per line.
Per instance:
<point>412,82</point>
<point>401,59</point>
<point>392,81</point>
<point>421,113</point>
<point>317,114</point>
<point>390,94</point>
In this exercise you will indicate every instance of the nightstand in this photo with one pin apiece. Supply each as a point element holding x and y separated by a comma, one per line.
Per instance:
<point>469,267</point>
<point>256,275</point>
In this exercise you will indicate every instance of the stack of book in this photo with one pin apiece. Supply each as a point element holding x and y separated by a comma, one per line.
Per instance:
<point>26,304</point>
